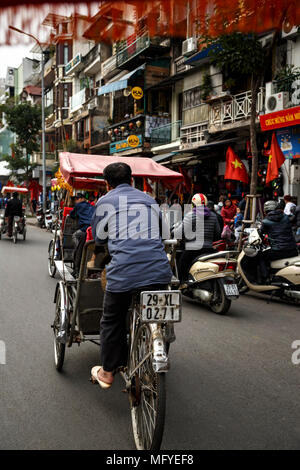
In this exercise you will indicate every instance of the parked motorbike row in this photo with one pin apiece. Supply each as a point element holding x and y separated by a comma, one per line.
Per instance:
<point>217,279</point>
<point>44,220</point>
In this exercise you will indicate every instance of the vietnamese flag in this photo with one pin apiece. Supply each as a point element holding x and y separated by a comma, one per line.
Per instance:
<point>276,159</point>
<point>235,168</point>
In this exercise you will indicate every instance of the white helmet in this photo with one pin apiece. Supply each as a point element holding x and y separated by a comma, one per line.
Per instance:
<point>199,199</point>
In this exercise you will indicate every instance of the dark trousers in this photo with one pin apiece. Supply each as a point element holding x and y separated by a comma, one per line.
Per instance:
<point>186,259</point>
<point>10,225</point>
<point>273,255</point>
<point>113,327</point>
<point>79,241</point>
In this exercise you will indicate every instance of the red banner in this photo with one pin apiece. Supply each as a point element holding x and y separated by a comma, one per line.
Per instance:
<point>285,118</point>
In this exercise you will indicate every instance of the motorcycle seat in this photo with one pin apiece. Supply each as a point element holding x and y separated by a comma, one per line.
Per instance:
<point>283,263</point>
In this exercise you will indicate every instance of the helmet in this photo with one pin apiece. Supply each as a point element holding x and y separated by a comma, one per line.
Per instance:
<point>199,199</point>
<point>250,250</point>
<point>270,206</point>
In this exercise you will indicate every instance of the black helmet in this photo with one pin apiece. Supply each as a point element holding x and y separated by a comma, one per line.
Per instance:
<point>270,206</point>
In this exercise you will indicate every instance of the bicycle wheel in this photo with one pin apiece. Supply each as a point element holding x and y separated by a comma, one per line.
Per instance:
<point>148,394</point>
<point>59,348</point>
<point>15,236</point>
<point>51,263</point>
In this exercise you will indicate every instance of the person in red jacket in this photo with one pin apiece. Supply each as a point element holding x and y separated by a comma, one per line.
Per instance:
<point>228,212</point>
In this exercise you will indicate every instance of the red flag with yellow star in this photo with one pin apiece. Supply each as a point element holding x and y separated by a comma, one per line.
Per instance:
<point>276,159</point>
<point>235,168</point>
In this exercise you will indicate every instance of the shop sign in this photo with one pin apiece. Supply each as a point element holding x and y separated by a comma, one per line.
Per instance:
<point>126,144</point>
<point>70,65</point>
<point>289,141</point>
<point>137,92</point>
<point>133,141</point>
<point>284,118</point>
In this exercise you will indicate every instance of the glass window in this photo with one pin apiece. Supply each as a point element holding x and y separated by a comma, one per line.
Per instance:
<point>66,97</point>
<point>66,54</point>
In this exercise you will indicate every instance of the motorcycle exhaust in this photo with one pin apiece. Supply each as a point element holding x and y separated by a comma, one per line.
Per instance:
<point>294,294</point>
<point>203,295</point>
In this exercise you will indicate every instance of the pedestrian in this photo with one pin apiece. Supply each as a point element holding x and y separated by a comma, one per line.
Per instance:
<point>220,204</point>
<point>212,207</point>
<point>238,221</point>
<point>288,204</point>
<point>228,212</point>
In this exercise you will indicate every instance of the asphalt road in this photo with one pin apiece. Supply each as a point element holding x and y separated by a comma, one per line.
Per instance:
<point>232,384</point>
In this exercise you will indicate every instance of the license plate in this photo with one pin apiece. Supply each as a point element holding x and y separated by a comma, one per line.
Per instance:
<point>231,290</point>
<point>161,306</point>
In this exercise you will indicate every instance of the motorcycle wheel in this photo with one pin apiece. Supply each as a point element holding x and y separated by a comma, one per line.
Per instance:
<point>222,305</point>
<point>24,234</point>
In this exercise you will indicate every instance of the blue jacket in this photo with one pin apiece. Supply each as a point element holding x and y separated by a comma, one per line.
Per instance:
<point>279,229</point>
<point>84,211</point>
<point>122,218</point>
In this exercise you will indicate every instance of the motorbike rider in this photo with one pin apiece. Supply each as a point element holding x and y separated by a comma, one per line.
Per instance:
<point>129,221</point>
<point>199,229</point>
<point>13,208</point>
<point>278,227</point>
<point>83,211</point>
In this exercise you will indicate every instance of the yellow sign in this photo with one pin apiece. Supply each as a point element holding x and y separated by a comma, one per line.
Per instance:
<point>137,93</point>
<point>133,141</point>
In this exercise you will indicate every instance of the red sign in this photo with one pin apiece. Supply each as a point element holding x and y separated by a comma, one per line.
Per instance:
<point>285,118</point>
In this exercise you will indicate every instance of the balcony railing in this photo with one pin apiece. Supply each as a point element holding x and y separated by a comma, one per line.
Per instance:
<point>235,109</point>
<point>193,136</point>
<point>77,100</point>
<point>92,55</point>
<point>165,134</point>
<point>109,65</point>
<point>140,44</point>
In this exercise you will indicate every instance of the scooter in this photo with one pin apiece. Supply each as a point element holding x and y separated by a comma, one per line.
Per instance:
<point>284,273</point>
<point>48,219</point>
<point>212,280</point>
<point>40,217</point>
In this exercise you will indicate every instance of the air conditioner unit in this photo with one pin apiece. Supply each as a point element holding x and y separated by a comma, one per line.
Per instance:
<point>266,41</point>
<point>277,102</point>
<point>295,174</point>
<point>289,29</point>
<point>189,46</point>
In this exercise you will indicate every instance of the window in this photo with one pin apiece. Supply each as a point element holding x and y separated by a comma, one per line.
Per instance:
<point>192,98</point>
<point>86,126</point>
<point>66,54</point>
<point>66,96</point>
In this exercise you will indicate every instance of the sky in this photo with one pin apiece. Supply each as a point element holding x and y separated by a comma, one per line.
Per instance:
<point>11,56</point>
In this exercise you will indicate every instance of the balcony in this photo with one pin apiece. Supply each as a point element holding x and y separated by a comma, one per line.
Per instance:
<point>234,109</point>
<point>49,72</point>
<point>193,136</point>
<point>166,134</point>
<point>78,100</point>
<point>100,138</point>
<point>289,84</point>
<point>134,53</point>
<point>37,157</point>
<point>91,61</point>
<point>109,67</point>
<point>74,65</point>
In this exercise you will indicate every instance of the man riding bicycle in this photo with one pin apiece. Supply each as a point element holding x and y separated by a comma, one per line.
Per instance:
<point>129,221</point>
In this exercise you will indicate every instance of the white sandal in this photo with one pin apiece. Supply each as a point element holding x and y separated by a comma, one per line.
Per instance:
<point>95,378</point>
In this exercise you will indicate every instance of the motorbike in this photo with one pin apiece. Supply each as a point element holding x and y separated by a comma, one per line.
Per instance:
<point>48,219</point>
<point>19,227</point>
<point>40,217</point>
<point>284,273</point>
<point>212,280</point>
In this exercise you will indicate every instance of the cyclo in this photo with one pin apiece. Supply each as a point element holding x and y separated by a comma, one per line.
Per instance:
<point>18,223</point>
<point>61,245</point>
<point>151,318</point>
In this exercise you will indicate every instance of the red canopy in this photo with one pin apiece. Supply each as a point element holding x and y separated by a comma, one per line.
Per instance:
<point>13,189</point>
<point>73,165</point>
<point>92,184</point>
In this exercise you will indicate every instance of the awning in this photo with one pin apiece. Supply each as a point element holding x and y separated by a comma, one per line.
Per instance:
<point>200,57</point>
<point>164,156</point>
<point>120,84</point>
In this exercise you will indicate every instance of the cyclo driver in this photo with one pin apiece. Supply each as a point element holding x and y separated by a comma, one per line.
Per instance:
<point>13,208</point>
<point>138,261</point>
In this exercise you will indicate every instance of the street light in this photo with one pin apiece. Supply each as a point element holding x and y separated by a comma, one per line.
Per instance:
<point>43,113</point>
